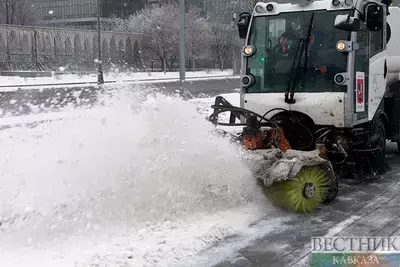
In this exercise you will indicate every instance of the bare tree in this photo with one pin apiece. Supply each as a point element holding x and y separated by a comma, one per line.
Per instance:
<point>161,32</point>
<point>17,12</point>
<point>160,26</point>
<point>197,35</point>
<point>114,23</point>
<point>251,4</point>
<point>224,40</point>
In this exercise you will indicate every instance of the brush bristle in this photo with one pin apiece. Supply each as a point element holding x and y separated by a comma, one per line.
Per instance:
<point>366,164</point>
<point>289,194</point>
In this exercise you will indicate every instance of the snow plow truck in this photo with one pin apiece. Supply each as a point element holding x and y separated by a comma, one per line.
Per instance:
<point>320,96</point>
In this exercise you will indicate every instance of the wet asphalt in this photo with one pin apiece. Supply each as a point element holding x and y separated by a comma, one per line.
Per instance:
<point>368,208</point>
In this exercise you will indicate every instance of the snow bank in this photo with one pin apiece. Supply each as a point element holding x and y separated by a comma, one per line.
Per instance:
<point>138,182</point>
<point>115,76</point>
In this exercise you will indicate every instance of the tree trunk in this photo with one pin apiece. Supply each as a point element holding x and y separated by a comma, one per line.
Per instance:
<point>164,66</point>
<point>7,13</point>
<point>12,13</point>
<point>236,61</point>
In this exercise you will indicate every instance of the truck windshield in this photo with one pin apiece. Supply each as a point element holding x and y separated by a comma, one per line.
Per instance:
<point>278,40</point>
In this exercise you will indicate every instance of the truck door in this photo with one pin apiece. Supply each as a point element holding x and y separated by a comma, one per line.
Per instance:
<point>370,78</point>
<point>361,75</point>
<point>377,69</point>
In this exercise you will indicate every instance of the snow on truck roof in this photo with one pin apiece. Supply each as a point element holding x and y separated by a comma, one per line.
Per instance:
<point>274,8</point>
<point>393,46</point>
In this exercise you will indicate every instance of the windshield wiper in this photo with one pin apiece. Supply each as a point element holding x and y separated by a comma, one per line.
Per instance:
<point>295,70</point>
<point>307,45</point>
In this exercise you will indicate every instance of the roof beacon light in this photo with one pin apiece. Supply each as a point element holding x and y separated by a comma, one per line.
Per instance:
<point>301,2</point>
<point>260,9</point>
<point>348,2</point>
<point>270,7</point>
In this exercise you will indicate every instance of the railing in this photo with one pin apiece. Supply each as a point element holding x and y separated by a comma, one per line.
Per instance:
<point>52,49</point>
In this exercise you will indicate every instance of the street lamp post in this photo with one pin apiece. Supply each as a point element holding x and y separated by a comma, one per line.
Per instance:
<point>100,77</point>
<point>236,58</point>
<point>182,45</point>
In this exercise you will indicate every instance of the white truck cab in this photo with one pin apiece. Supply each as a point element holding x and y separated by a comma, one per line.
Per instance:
<point>335,63</point>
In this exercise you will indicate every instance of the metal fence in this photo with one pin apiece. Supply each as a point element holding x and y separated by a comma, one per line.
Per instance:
<point>54,49</point>
<point>71,50</point>
<point>191,65</point>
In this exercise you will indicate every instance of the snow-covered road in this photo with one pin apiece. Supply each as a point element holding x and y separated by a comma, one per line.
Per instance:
<point>9,82</point>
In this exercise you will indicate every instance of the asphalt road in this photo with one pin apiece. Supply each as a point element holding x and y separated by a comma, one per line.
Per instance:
<point>370,208</point>
<point>49,99</point>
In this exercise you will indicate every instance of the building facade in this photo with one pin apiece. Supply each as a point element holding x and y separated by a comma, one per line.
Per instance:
<point>83,13</point>
<point>66,11</point>
<point>39,48</point>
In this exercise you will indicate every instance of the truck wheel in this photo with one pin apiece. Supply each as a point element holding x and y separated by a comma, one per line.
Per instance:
<point>381,142</point>
<point>333,192</point>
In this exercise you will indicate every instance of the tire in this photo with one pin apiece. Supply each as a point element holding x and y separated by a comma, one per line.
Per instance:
<point>381,142</point>
<point>332,193</point>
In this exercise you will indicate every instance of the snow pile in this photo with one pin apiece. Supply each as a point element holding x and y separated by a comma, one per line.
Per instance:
<point>62,78</point>
<point>139,182</point>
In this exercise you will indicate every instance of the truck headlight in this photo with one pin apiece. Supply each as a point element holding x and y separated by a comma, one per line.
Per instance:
<point>249,50</point>
<point>341,46</point>
<point>344,46</point>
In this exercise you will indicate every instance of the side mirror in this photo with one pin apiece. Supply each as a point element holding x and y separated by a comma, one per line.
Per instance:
<point>374,17</point>
<point>387,3</point>
<point>243,24</point>
<point>347,23</point>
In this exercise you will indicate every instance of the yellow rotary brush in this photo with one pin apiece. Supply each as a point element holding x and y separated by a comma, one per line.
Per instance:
<point>303,194</point>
